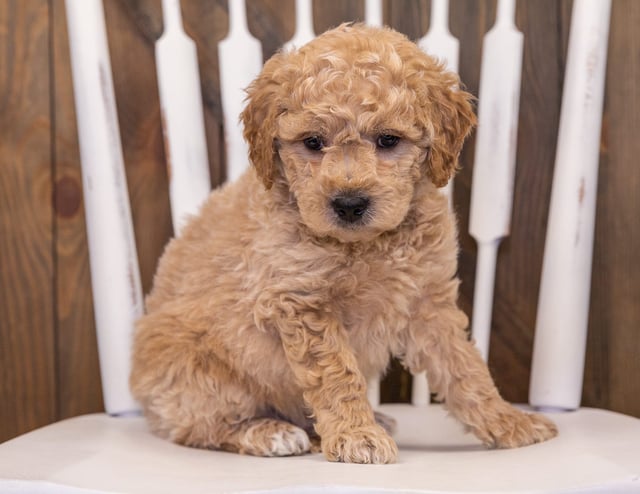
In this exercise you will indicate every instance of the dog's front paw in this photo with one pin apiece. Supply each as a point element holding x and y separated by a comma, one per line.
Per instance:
<point>364,445</point>
<point>513,428</point>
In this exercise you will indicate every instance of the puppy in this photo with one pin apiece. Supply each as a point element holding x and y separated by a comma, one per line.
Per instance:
<point>334,252</point>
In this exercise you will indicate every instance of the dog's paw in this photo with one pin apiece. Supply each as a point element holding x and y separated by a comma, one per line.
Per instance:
<point>513,428</point>
<point>364,445</point>
<point>275,438</point>
<point>289,441</point>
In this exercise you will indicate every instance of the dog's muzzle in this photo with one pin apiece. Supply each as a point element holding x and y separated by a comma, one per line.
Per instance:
<point>351,208</point>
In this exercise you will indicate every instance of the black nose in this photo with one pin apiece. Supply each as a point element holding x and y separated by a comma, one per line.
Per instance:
<point>350,208</point>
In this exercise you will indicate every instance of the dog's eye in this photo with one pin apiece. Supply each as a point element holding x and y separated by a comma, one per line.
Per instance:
<point>313,143</point>
<point>386,141</point>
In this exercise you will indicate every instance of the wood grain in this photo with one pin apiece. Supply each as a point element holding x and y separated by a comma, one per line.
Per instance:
<point>408,16</point>
<point>272,22</point>
<point>332,13</point>
<point>614,346</point>
<point>27,317</point>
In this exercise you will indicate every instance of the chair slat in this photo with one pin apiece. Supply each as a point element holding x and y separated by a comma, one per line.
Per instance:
<point>420,392</point>
<point>495,156</point>
<point>373,392</point>
<point>115,277</point>
<point>440,43</point>
<point>304,25</point>
<point>182,117</point>
<point>563,307</point>
<point>373,13</point>
<point>240,61</point>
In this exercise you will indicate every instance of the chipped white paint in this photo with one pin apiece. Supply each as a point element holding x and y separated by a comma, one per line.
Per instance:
<point>115,277</point>
<point>495,154</point>
<point>563,306</point>
<point>304,25</point>
<point>240,61</point>
<point>182,117</point>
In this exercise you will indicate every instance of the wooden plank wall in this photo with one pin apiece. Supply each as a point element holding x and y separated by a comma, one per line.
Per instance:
<point>48,359</point>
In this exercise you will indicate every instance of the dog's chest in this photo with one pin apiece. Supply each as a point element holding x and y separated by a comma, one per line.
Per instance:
<point>374,297</point>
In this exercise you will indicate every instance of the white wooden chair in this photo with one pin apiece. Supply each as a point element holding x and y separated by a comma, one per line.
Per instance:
<point>596,451</point>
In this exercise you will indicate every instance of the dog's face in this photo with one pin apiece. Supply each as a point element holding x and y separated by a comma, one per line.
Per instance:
<point>352,122</point>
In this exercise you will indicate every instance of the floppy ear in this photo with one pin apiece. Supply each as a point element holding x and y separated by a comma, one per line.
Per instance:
<point>449,116</point>
<point>259,119</point>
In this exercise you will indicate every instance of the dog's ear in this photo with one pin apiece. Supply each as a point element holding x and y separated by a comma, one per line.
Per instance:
<point>448,114</point>
<point>260,120</point>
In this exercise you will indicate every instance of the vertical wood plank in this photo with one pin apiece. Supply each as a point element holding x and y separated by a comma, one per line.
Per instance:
<point>410,17</point>
<point>27,330</point>
<point>613,356</point>
<point>79,385</point>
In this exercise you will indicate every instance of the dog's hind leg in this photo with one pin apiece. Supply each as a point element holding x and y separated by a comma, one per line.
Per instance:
<point>191,396</point>
<point>228,420</point>
<point>266,437</point>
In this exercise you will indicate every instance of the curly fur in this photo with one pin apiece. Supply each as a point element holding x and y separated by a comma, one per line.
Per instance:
<point>270,311</point>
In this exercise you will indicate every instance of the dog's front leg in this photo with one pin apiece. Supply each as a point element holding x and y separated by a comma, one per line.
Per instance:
<point>458,375</point>
<point>327,371</point>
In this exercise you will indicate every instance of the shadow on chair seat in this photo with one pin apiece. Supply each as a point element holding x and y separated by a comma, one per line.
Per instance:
<point>98,453</point>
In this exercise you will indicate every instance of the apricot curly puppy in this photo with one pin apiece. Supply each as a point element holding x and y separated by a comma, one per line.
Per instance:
<point>333,252</point>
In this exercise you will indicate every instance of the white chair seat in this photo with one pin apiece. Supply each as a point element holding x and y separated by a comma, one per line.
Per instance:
<point>596,451</point>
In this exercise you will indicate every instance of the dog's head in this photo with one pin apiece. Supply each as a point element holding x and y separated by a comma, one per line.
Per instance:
<point>352,122</point>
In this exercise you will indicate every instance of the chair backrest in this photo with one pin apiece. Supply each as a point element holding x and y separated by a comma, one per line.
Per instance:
<point>114,266</point>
